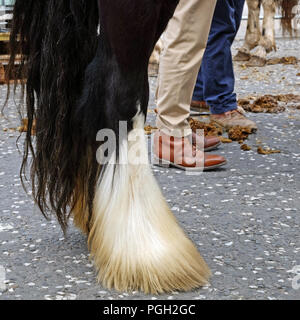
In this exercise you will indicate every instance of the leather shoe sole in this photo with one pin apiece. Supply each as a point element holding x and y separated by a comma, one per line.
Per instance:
<point>167,164</point>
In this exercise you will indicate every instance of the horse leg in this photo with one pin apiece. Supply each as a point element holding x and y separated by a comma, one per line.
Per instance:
<point>267,39</point>
<point>268,34</point>
<point>288,9</point>
<point>135,241</point>
<point>253,31</point>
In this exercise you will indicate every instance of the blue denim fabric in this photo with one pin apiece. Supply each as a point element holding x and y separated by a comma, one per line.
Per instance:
<point>215,83</point>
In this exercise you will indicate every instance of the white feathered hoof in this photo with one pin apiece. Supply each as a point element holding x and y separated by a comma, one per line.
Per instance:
<point>135,241</point>
<point>137,244</point>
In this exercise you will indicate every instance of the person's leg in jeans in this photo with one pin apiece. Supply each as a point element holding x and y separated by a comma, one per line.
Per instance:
<point>218,73</point>
<point>217,66</point>
<point>216,76</point>
<point>184,45</point>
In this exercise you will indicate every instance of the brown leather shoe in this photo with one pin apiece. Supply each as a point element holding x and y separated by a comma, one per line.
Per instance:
<point>210,142</point>
<point>199,106</point>
<point>232,119</point>
<point>180,153</point>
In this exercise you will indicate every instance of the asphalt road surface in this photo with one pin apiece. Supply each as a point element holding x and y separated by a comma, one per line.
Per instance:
<point>243,218</point>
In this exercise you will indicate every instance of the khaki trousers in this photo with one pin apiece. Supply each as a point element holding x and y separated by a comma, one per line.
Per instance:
<point>184,45</point>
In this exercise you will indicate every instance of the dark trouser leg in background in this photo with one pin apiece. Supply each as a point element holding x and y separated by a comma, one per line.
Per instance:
<point>215,83</point>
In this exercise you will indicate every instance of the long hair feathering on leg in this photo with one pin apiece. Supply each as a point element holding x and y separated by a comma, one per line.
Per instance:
<point>78,83</point>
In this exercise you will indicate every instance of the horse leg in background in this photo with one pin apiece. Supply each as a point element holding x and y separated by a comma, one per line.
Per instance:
<point>134,238</point>
<point>267,40</point>
<point>288,13</point>
<point>268,34</point>
<point>253,33</point>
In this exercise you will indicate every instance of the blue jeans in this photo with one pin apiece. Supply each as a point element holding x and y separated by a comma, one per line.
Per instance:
<point>215,82</point>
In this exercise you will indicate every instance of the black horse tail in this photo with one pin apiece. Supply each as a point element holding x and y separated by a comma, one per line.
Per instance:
<point>56,41</point>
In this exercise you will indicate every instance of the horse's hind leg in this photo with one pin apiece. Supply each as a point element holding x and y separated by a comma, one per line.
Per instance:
<point>268,32</point>
<point>135,240</point>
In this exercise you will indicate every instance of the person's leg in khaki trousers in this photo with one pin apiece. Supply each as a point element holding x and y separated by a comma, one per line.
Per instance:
<point>184,45</point>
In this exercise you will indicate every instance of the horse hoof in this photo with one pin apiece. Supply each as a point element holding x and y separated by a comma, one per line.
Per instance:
<point>242,56</point>
<point>256,61</point>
